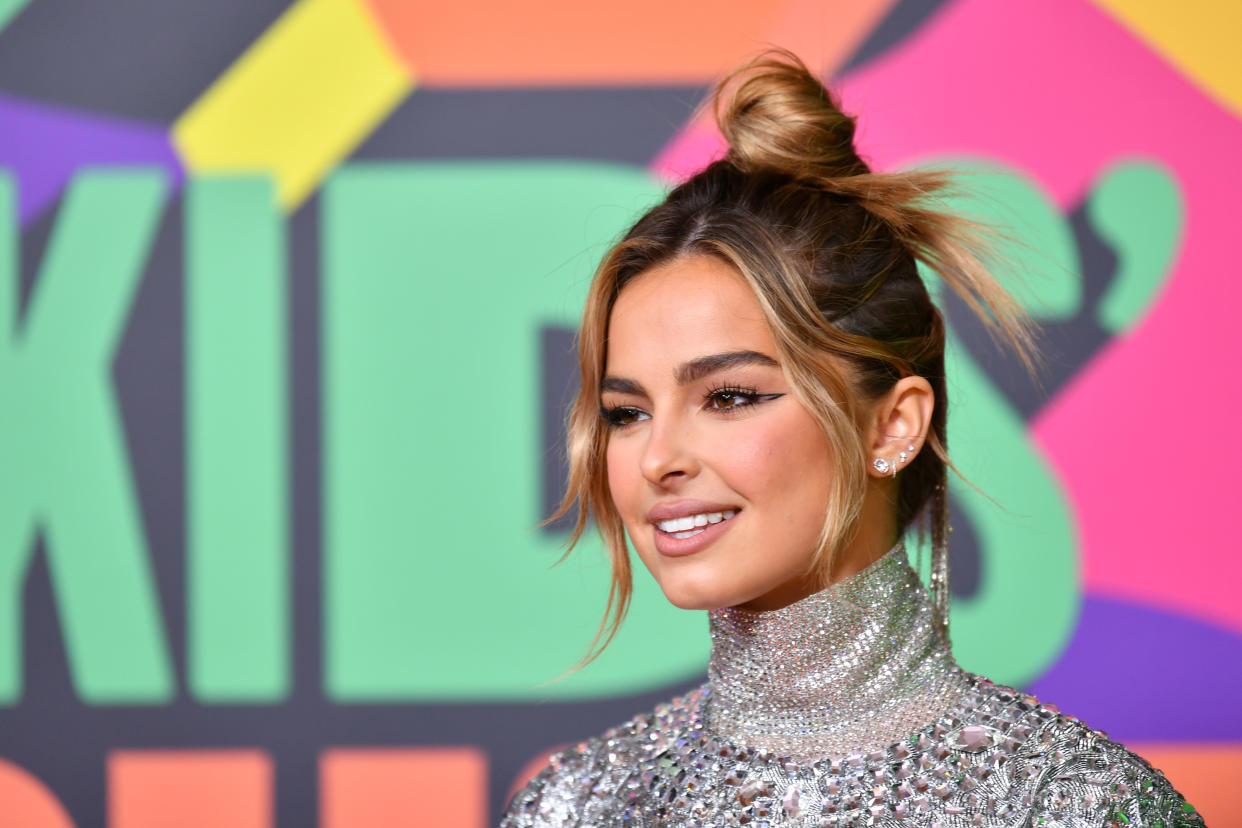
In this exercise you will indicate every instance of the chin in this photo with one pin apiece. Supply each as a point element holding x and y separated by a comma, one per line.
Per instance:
<point>698,594</point>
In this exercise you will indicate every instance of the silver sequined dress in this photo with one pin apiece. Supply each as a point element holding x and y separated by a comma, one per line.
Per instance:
<point>847,709</point>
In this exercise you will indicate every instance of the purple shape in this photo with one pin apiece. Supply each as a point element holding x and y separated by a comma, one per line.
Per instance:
<point>1141,674</point>
<point>45,145</point>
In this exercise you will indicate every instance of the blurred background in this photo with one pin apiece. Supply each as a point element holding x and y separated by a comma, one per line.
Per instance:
<point>288,295</point>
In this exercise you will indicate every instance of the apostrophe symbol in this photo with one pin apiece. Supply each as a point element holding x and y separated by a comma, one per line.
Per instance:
<point>1136,208</point>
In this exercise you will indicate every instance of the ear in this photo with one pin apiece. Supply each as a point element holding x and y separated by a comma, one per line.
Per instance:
<point>900,419</point>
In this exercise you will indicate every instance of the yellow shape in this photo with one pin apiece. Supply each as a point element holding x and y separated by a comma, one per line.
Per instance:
<point>1198,36</point>
<point>299,100</point>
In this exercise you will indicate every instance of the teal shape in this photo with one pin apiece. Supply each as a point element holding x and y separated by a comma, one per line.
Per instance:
<point>1136,206</point>
<point>1023,614</point>
<point>438,583</point>
<point>1032,250</point>
<point>9,9</point>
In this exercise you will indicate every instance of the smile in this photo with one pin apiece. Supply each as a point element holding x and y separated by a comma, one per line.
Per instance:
<point>691,525</point>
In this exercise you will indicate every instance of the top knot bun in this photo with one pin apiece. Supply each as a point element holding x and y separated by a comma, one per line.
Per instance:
<point>777,115</point>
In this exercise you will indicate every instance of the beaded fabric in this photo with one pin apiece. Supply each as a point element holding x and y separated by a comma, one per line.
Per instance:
<point>847,709</point>
<point>822,677</point>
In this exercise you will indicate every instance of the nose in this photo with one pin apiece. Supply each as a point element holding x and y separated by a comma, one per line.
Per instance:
<point>669,454</point>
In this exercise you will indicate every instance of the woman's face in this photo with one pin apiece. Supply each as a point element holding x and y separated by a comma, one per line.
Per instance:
<point>718,472</point>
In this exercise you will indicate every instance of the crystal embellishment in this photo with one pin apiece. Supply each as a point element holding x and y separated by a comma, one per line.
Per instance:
<point>975,738</point>
<point>791,802</point>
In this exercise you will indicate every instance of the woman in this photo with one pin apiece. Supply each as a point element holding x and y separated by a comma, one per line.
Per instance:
<point>763,413</point>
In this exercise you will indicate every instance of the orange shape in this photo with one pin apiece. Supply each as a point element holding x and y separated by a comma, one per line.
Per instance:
<point>190,789</point>
<point>398,787</point>
<point>27,801</point>
<point>824,34</point>
<point>573,43</point>
<point>1203,773</point>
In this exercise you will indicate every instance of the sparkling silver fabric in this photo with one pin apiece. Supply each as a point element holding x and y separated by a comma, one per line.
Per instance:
<point>903,737</point>
<point>856,667</point>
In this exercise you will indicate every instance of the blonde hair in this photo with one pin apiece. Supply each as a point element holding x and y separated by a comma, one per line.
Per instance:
<point>830,250</point>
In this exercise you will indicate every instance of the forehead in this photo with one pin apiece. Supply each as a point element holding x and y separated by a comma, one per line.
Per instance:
<point>681,310</point>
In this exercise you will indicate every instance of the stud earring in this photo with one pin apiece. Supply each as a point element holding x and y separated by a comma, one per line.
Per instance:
<point>880,464</point>
<point>901,457</point>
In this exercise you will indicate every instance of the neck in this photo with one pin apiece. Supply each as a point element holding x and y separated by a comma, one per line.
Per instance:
<point>855,667</point>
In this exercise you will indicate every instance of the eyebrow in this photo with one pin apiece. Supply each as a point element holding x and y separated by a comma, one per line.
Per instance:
<point>694,370</point>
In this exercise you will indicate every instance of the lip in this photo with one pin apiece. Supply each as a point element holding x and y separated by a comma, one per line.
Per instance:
<point>672,547</point>
<point>685,508</point>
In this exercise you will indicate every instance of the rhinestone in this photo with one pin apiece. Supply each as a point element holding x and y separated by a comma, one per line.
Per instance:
<point>791,802</point>
<point>974,738</point>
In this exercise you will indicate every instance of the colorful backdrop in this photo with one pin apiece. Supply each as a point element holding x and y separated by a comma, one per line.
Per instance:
<point>287,298</point>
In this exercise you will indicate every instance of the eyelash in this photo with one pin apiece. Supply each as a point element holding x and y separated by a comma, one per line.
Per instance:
<point>612,416</point>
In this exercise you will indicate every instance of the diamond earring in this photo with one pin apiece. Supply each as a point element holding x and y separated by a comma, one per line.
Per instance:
<point>880,464</point>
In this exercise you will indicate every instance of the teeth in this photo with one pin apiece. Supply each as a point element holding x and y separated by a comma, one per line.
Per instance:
<point>681,527</point>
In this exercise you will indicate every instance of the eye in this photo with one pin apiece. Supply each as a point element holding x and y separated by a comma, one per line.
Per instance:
<point>622,415</point>
<point>730,399</point>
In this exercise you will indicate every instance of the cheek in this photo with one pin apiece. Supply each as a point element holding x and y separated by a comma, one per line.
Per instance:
<point>622,476</point>
<point>783,458</point>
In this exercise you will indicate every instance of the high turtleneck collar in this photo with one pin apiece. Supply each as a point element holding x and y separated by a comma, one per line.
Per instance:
<point>853,668</point>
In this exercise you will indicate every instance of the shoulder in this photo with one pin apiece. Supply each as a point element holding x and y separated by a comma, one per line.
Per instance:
<point>578,785</point>
<point>1085,778</point>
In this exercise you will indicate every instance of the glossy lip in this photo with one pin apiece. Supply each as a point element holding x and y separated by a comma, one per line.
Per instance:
<point>672,547</point>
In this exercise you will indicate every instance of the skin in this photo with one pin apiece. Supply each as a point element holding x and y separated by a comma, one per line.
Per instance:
<point>712,439</point>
